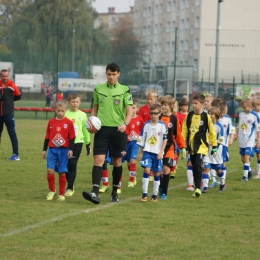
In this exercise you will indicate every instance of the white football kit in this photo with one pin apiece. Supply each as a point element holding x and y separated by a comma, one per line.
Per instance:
<point>228,128</point>
<point>248,125</point>
<point>152,136</point>
<point>220,139</point>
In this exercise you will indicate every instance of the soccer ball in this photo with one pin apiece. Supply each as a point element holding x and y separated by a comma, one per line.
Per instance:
<point>93,124</point>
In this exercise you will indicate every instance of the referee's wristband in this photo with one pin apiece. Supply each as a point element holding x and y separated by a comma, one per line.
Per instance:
<point>126,123</point>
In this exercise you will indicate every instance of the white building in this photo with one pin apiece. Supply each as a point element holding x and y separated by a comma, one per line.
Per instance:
<point>196,22</point>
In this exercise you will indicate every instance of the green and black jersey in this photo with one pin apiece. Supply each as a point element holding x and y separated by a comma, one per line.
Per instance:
<point>112,102</point>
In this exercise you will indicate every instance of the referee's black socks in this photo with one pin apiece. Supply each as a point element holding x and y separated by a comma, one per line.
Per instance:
<point>117,172</point>
<point>96,178</point>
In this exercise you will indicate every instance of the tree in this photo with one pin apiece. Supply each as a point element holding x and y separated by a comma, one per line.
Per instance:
<point>126,48</point>
<point>40,37</point>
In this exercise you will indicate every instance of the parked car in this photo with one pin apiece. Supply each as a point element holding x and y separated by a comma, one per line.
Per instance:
<point>135,90</point>
<point>159,90</point>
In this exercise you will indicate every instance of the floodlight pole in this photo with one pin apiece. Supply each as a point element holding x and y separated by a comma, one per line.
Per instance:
<point>217,49</point>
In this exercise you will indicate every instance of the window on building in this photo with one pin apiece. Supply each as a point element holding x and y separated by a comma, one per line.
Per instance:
<point>186,45</point>
<point>159,47</point>
<point>196,43</point>
<point>195,65</point>
<point>174,5</point>
<point>144,30</point>
<point>173,46</point>
<point>156,9</point>
<point>197,22</point>
<point>187,24</point>
<point>149,11</point>
<point>181,45</point>
<point>155,48</point>
<point>160,8</point>
<point>145,12</point>
<point>168,26</point>
<point>182,24</point>
<point>187,3</point>
<point>169,6</point>
<point>160,28</point>
<point>197,2</point>
<point>148,30</point>
<point>167,48</point>
<point>182,4</point>
<point>173,26</point>
<point>155,28</point>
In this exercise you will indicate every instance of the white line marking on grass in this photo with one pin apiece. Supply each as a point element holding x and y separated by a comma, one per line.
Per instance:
<point>74,213</point>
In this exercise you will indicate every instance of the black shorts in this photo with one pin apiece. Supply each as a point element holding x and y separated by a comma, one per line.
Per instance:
<point>109,138</point>
<point>168,162</point>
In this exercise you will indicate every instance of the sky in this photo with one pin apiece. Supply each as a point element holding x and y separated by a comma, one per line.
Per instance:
<point>121,5</point>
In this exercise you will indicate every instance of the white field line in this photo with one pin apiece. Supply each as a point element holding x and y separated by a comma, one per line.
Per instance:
<point>74,213</point>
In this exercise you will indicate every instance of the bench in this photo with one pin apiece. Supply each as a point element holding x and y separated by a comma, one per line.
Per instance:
<point>46,110</point>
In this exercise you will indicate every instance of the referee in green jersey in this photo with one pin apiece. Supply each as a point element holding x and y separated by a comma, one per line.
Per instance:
<point>113,106</point>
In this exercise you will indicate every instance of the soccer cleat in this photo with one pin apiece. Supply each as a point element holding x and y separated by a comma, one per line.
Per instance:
<point>205,190</point>
<point>257,176</point>
<point>14,157</point>
<point>135,180</point>
<point>144,197</point>
<point>114,197</point>
<point>222,187</point>
<point>244,178</point>
<point>163,197</point>
<point>190,188</point>
<point>69,193</point>
<point>213,184</point>
<point>250,174</point>
<point>197,193</point>
<point>91,196</point>
<point>61,198</point>
<point>119,191</point>
<point>151,178</point>
<point>130,184</point>
<point>103,189</point>
<point>154,198</point>
<point>50,195</point>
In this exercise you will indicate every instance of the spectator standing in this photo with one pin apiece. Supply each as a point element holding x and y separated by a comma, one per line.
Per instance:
<point>48,95</point>
<point>9,93</point>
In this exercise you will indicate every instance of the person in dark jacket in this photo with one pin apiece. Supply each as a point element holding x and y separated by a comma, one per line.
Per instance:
<point>9,93</point>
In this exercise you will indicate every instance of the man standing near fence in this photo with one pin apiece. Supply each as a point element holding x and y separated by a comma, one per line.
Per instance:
<point>9,93</point>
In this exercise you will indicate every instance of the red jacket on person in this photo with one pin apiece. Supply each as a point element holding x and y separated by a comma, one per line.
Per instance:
<point>9,93</point>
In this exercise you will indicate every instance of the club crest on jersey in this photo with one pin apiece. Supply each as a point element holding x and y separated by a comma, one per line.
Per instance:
<point>65,126</point>
<point>201,123</point>
<point>170,125</point>
<point>248,121</point>
<point>116,101</point>
<point>138,123</point>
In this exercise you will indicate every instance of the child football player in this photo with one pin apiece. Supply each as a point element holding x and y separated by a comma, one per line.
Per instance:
<point>174,136</point>
<point>248,130</point>
<point>256,106</point>
<point>214,159</point>
<point>59,138</point>
<point>144,111</point>
<point>208,100</point>
<point>82,137</point>
<point>229,132</point>
<point>133,131</point>
<point>152,141</point>
<point>198,130</point>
